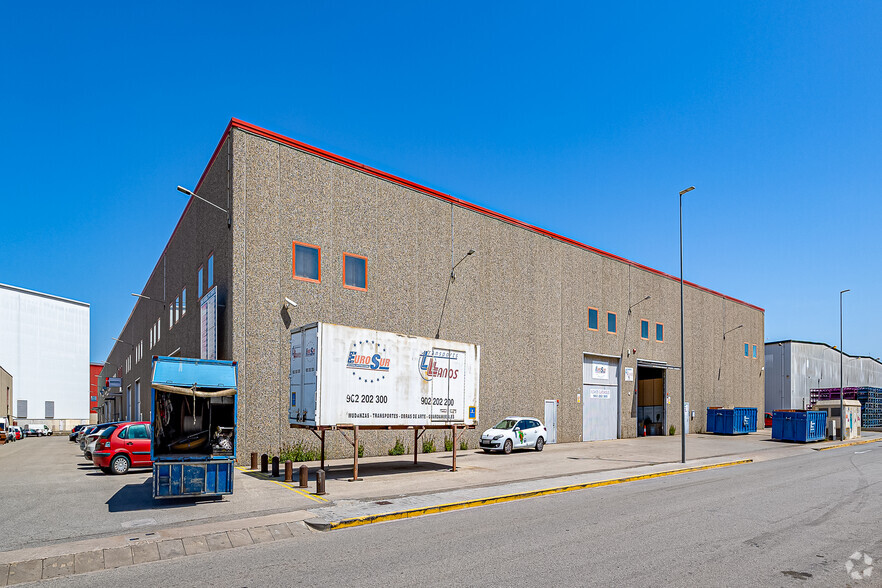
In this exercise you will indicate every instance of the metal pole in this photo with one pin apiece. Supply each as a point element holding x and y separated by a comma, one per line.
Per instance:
<point>682,347</point>
<point>841,396</point>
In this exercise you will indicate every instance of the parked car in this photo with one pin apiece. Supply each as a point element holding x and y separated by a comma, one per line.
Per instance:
<point>9,434</point>
<point>768,420</point>
<point>18,432</point>
<point>90,437</point>
<point>514,433</point>
<point>37,430</point>
<point>93,429</point>
<point>123,446</point>
<point>75,431</point>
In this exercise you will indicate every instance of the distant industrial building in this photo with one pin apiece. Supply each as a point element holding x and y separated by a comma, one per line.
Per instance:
<point>794,368</point>
<point>44,345</point>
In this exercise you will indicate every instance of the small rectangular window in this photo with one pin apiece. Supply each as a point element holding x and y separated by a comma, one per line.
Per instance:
<point>659,332</point>
<point>50,409</point>
<point>307,261</point>
<point>158,329</point>
<point>747,350</point>
<point>171,315</point>
<point>199,283</point>
<point>183,302</point>
<point>611,322</point>
<point>593,319</point>
<point>177,308</point>
<point>21,409</point>
<point>210,271</point>
<point>354,271</point>
<point>644,329</point>
<point>754,351</point>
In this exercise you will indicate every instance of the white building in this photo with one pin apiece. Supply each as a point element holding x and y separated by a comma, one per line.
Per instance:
<point>44,345</point>
<point>794,368</point>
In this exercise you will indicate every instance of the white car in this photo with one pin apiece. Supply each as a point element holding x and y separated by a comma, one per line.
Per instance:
<point>514,433</point>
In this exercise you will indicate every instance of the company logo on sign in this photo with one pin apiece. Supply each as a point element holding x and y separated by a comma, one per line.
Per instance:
<point>430,367</point>
<point>310,352</point>
<point>374,361</point>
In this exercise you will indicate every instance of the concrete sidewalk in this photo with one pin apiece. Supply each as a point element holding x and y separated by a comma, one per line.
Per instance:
<point>391,487</point>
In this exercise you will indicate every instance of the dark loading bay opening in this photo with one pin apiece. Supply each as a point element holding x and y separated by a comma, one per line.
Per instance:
<point>650,401</point>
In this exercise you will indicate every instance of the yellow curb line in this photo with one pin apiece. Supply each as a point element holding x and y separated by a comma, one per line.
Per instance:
<point>416,512</point>
<point>862,442</point>
<point>292,488</point>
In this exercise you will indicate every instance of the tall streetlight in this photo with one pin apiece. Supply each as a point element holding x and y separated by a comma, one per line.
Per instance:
<point>841,396</point>
<point>682,338</point>
<point>162,302</point>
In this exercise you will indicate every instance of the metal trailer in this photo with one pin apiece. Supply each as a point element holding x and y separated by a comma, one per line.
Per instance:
<point>350,379</point>
<point>731,421</point>
<point>194,408</point>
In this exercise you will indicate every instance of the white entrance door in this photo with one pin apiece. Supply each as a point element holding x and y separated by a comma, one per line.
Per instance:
<point>600,398</point>
<point>551,420</point>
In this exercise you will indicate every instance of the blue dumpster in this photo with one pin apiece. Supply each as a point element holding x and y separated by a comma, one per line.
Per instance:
<point>802,426</point>
<point>731,421</point>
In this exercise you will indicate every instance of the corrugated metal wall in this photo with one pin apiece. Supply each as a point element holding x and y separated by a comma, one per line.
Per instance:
<point>793,368</point>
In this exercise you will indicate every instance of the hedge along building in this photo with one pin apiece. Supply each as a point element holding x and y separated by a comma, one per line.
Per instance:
<point>567,332</point>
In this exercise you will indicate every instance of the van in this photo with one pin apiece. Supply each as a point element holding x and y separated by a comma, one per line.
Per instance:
<point>37,430</point>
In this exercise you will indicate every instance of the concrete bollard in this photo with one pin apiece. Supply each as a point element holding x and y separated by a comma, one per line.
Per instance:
<point>289,471</point>
<point>275,467</point>
<point>253,460</point>
<point>320,482</point>
<point>264,464</point>
<point>304,476</point>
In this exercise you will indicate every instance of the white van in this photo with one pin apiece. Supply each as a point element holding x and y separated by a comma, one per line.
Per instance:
<point>37,430</point>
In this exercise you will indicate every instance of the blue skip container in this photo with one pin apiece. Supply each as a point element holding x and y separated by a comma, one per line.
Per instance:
<point>731,421</point>
<point>802,426</point>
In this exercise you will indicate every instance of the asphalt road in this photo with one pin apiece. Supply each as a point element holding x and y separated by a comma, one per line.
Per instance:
<point>788,522</point>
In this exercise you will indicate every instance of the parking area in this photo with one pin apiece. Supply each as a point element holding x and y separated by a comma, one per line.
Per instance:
<point>51,494</point>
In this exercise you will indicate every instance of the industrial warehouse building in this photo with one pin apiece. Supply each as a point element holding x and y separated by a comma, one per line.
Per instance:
<point>795,368</point>
<point>588,340</point>
<point>44,346</point>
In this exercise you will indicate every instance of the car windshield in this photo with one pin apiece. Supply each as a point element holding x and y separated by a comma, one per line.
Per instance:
<point>107,432</point>
<point>505,424</point>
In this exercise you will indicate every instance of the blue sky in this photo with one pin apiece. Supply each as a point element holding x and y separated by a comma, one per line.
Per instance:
<point>582,118</point>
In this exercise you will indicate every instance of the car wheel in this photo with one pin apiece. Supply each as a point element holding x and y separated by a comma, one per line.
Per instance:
<point>88,456</point>
<point>120,464</point>
<point>540,443</point>
<point>506,449</point>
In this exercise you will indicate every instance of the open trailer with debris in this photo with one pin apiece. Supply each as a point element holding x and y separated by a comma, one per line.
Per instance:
<point>350,379</point>
<point>194,426</point>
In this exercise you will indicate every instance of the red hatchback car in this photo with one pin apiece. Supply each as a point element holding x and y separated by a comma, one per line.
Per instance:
<point>123,446</point>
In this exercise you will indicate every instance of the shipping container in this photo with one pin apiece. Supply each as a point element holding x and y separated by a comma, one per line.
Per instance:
<point>731,421</point>
<point>802,426</point>
<point>343,375</point>
<point>194,426</point>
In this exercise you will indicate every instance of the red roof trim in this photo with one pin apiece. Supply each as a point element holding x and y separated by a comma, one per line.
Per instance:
<point>239,124</point>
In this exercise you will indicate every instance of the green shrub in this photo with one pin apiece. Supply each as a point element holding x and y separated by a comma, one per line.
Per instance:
<point>360,450</point>
<point>299,452</point>
<point>463,445</point>
<point>448,444</point>
<point>672,431</point>
<point>399,448</point>
<point>428,446</point>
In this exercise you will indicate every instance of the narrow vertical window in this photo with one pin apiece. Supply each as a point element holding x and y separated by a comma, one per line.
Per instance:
<point>210,271</point>
<point>354,271</point>
<point>593,319</point>
<point>611,322</point>
<point>307,261</point>
<point>199,283</point>
<point>754,351</point>
<point>746,350</point>
<point>183,302</point>
<point>177,308</point>
<point>659,332</point>
<point>171,315</point>
<point>644,329</point>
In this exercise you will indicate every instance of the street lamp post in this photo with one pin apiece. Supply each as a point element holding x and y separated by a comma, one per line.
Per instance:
<point>682,339</point>
<point>449,281</point>
<point>183,190</point>
<point>841,396</point>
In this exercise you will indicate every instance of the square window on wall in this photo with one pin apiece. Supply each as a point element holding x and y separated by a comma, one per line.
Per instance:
<point>593,319</point>
<point>611,322</point>
<point>307,262</point>
<point>354,272</point>
<point>644,329</point>
<point>659,332</point>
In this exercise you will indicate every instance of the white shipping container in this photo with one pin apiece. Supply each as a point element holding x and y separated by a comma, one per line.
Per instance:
<point>348,376</point>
